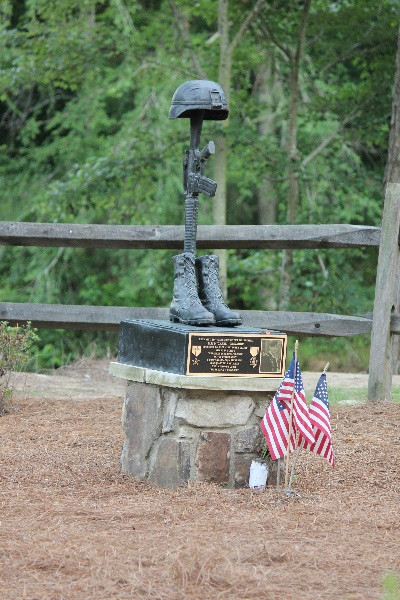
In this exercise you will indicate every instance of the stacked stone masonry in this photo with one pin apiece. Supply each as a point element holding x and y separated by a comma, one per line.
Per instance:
<point>175,435</point>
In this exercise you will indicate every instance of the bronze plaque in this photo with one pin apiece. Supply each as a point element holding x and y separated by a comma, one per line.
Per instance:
<point>241,355</point>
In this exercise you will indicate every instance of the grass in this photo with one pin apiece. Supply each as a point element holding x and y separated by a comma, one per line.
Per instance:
<point>342,395</point>
<point>391,587</point>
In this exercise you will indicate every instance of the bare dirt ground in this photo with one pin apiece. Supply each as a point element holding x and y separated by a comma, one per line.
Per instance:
<point>72,527</point>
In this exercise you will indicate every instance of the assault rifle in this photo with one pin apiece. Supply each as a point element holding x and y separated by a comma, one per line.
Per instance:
<point>194,180</point>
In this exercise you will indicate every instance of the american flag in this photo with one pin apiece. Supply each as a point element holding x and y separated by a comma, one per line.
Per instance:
<point>275,426</point>
<point>301,417</point>
<point>320,418</point>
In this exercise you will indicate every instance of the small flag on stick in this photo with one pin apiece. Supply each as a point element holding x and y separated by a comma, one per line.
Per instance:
<point>320,418</point>
<point>276,422</point>
<point>275,426</point>
<point>302,423</point>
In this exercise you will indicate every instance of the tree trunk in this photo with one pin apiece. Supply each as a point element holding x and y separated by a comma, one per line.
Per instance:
<point>293,193</point>
<point>293,190</point>
<point>227,48</point>
<point>292,155</point>
<point>221,145</point>
<point>293,184</point>
<point>267,201</point>
<point>267,196</point>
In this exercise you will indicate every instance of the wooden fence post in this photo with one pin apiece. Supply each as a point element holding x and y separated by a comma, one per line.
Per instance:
<point>386,290</point>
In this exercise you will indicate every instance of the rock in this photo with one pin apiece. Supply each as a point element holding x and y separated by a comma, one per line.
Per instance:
<point>171,463</point>
<point>242,469</point>
<point>249,440</point>
<point>169,402</point>
<point>262,402</point>
<point>213,457</point>
<point>188,433</point>
<point>226,412</point>
<point>260,410</point>
<point>142,423</point>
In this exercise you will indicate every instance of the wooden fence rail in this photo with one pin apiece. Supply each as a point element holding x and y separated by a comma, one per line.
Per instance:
<point>171,236</point>
<point>108,318</point>
<point>384,323</point>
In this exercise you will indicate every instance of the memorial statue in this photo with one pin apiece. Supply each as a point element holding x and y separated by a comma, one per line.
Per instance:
<point>198,301</point>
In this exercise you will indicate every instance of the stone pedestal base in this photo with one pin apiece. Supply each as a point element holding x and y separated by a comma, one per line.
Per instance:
<point>180,429</point>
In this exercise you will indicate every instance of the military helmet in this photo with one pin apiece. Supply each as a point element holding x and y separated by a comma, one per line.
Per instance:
<point>199,94</point>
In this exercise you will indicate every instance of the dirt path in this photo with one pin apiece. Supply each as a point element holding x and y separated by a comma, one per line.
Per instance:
<point>86,379</point>
<point>72,527</point>
<point>90,379</point>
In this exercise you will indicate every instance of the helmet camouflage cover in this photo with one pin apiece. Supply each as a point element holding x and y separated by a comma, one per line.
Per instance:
<point>196,95</point>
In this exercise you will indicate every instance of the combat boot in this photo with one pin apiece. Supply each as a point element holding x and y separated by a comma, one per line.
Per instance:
<point>210,292</point>
<point>186,307</point>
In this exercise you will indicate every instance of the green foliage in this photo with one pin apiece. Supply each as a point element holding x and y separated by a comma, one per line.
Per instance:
<point>56,348</point>
<point>85,93</point>
<point>391,586</point>
<point>264,452</point>
<point>15,351</point>
<point>344,354</point>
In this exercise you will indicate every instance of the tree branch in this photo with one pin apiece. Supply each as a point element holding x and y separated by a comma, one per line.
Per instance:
<point>45,272</point>
<point>125,16</point>
<point>246,23</point>
<point>159,63</point>
<point>182,25</point>
<point>327,140</point>
<point>302,30</point>
<point>269,34</point>
<point>354,49</point>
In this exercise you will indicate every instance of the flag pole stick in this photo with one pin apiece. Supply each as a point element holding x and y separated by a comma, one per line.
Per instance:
<point>278,475</point>
<point>301,445</point>
<point>296,348</point>
<point>296,456</point>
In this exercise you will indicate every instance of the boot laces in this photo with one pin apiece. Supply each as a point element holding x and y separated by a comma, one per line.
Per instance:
<point>215,285</point>
<point>190,280</point>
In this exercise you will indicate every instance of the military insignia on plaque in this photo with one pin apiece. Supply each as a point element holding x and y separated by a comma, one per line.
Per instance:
<point>254,350</point>
<point>196,350</point>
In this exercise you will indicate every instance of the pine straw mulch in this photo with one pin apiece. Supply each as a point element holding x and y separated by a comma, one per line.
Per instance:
<point>72,527</point>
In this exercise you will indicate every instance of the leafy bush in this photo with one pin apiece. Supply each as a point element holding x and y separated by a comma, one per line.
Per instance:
<point>15,345</point>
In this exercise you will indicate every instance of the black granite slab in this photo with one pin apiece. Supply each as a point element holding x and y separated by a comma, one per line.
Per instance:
<point>187,350</point>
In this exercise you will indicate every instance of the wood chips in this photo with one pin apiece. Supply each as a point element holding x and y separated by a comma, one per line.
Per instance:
<point>72,527</point>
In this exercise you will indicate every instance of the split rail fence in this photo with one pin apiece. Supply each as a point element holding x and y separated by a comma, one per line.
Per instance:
<point>383,324</point>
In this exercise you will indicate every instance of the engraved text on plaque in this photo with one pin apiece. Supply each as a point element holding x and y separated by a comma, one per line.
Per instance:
<point>251,355</point>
